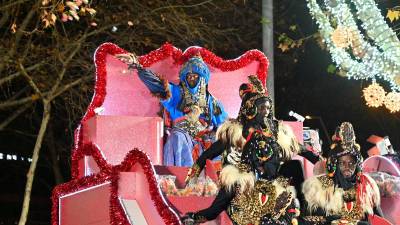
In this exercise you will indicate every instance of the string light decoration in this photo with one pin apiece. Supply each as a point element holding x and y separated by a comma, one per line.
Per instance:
<point>375,26</point>
<point>374,95</point>
<point>374,53</point>
<point>342,37</point>
<point>392,102</point>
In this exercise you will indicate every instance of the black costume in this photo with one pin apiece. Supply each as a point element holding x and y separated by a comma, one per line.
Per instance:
<point>333,198</point>
<point>251,192</point>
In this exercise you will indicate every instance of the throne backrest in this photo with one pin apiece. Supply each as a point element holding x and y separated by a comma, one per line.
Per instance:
<point>119,91</point>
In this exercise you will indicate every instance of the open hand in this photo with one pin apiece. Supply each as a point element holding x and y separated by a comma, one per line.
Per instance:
<point>128,58</point>
<point>188,219</point>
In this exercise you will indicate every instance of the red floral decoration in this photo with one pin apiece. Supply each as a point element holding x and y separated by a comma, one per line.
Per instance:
<point>147,60</point>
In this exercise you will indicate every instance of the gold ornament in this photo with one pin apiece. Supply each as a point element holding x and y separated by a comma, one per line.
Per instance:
<point>392,102</point>
<point>342,37</point>
<point>374,95</point>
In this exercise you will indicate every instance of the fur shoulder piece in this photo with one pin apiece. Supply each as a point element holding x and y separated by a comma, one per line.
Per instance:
<point>319,192</point>
<point>230,133</point>
<point>282,184</point>
<point>287,140</point>
<point>231,177</point>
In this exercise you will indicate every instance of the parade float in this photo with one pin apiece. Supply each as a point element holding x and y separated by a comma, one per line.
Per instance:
<point>117,171</point>
<point>118,176</point>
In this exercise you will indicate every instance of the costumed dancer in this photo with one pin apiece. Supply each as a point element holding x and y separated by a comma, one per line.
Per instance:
<point>229,141</point>
<point>345,195</point>
<point>188,105</point>
<point>251,191</point>
<point>265,120</point>
<point>230,134</point>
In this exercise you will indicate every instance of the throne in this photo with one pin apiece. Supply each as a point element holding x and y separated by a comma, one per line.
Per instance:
<point>388,164</point>
<point>118,143</point>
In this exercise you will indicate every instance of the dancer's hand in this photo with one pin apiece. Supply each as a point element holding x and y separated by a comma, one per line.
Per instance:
<point>193,173</point>
<point>188,219</point>
<point>189,175</point>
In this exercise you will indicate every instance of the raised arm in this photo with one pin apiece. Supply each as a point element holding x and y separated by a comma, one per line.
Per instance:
<point>309,155</point>
<point>220,203</point>
<point>156,84</point>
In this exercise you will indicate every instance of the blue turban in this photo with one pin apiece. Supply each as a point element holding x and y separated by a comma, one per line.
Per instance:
<point>194,65</point>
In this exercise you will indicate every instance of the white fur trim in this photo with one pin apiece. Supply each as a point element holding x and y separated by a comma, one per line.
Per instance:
<point>319,197</point>
<point>280,189</point>
<point>231,176</point>
<point>287,140</point>
<point>331,200</point>
<point>230,133</point>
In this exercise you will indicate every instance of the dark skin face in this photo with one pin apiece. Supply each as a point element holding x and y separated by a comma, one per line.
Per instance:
<point>192,79</point>
<point>347,165</point>
<point>263,110</point>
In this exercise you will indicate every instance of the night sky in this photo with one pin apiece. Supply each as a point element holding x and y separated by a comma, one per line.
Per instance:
<point>308,89</point>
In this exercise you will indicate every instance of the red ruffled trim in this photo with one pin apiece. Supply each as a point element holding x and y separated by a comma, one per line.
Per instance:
<point>111,173</point>
<point>71,187</point>
<point>147,60</point>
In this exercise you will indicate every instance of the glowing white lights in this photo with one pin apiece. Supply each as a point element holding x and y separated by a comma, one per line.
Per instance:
<point>10,157</point>
<point>392,102</point>
<point>373,53</point>
<point>374,95</point>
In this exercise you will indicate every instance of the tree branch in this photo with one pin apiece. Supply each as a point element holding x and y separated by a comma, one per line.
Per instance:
<point>17,74</point>
<point>68,86</point>
<point>64,69</point>
<point>23,26</point>
<point>14,115</point>
<point>58,92</point>
<point>180,6</point>
<point>12,4</point>
<point>35,158</point>
<point>21,101</point>
<point>30,80</point>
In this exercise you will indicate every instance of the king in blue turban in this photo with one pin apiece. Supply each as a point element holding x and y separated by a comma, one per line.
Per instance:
<point>189,107</point>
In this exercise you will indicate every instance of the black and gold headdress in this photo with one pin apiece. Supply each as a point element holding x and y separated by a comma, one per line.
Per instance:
<point>248,108</point>
<point>344,143</point>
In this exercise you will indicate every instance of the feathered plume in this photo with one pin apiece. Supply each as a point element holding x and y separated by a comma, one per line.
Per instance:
<point>258,86</point>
